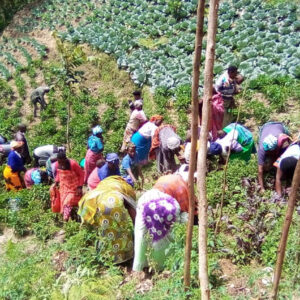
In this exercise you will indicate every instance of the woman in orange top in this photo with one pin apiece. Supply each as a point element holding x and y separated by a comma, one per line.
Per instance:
<point>70,178</point>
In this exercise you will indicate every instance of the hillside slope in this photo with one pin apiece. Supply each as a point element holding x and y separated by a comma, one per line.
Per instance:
<point>44,258</point>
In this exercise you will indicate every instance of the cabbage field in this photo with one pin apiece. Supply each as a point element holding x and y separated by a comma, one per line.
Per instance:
<point>155,43</point>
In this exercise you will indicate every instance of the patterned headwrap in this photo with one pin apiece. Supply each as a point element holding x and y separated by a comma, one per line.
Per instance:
<point>97,129</point>
<point>156,118</point>
<point>159,215</point>
<point>36,177</point>
<point>283,141</point>
<point>270,142</point>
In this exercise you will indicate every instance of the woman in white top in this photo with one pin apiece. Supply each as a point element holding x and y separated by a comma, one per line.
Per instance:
<point>137,119</point>
<point>142,138</point>
<point>41,154</point>
<point>286,165</point>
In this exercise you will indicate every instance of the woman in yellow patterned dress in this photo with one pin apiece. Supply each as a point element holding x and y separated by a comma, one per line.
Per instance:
<point>111,208</point>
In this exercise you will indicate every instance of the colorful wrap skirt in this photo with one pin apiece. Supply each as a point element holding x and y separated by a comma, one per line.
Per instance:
<point>90,163</point>
<point>13,181</point>
<point>143,146</point>
<point>104,208</point>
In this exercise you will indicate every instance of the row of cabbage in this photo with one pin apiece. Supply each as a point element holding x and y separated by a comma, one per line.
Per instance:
<point>259,38</point>
<point>53,14</point>
<point>27,50</point>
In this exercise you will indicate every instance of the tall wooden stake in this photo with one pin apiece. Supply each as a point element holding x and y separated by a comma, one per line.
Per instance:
<point>285,231</point>
<point>192,163</point>
<point>202,166</point>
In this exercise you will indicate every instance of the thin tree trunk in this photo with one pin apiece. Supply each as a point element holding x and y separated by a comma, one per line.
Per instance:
<point>285,230</point>
<point>192,163</point>
<point>226,168</point>
<point>202,166</point>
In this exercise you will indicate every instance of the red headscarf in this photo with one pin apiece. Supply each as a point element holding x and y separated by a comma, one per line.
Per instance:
<point>156,118</point>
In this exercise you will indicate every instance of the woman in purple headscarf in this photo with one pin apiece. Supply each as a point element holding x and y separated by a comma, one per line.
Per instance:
<point>156,213</point>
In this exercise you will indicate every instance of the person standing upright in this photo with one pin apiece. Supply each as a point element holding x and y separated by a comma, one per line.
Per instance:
<point>227,85</point>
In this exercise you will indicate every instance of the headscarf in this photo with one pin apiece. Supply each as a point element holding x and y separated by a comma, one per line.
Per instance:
<point>283,140</point>
<point>112,157</point>
<point>36,177</point>
<point>16,144</point>
<point>97,129</point>
<point>156,118</point>
<point>270,142</point>
<point>215,149</point>
<point>173,142</point>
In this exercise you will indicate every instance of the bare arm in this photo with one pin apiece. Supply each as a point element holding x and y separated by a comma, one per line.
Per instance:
<point>260,177</point>
<point>131,175</point>
<point>278,182</point>
<point>141,174</point>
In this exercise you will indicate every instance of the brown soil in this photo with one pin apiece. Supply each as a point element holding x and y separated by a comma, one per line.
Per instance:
<point>236,285</point>
<point>8,235</point>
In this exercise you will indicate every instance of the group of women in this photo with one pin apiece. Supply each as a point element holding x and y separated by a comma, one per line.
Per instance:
<point>110,203</point>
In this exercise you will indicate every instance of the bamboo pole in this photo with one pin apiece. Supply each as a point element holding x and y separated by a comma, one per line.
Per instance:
<point>224,184</point>
<point>285,231</point>
<point>192,162</point>
<point>202,166</point>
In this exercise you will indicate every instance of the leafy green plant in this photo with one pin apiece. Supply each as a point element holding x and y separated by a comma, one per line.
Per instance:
<point>20,84</point>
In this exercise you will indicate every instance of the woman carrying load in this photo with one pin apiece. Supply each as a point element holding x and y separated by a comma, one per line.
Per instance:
<point>137,119</point>
<point>142,138</point>
<point>165,145</point>
<point>94,152</point>
<point>157,211</point>
<point>70,178</point>
<point>12,173</point>
<point>111,209</point>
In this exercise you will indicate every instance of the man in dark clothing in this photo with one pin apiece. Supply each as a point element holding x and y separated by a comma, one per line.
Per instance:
<point>20,137</point>
<point>37,96</point>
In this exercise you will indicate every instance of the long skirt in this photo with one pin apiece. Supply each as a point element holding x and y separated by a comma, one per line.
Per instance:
<point>104,208</point>
<point>155,215</point>
<point>90,163</point>
<point>68,183</point>
<point>127,136</point>
<point>13,180</point>
<point>143,146</point>
<point>165,160</point>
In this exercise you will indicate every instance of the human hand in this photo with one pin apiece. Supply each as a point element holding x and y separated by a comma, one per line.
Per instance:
<point>79,191</point>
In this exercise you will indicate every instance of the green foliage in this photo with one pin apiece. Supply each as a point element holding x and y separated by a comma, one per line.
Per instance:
<point>182,105</point>
<point>8,9</point>
<point>6,92</point>
<point>20,84</point>
<point>31,215</point>
<point>175,7</point>
<point>161,99</point>
<point>20,272</point>
<point>276,89</point>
